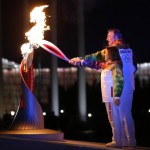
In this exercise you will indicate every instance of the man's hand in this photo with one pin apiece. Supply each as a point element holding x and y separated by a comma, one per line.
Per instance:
<point>75,61</point>
<point>117,101</point>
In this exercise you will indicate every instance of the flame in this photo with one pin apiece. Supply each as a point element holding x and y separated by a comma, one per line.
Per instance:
<point>36,33</point>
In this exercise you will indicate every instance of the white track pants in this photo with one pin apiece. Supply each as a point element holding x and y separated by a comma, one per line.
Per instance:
<point>128,131</point>
<point>113,113</point>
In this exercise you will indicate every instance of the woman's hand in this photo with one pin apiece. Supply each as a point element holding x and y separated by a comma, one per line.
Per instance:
<point>75,61</point>
<point>117,101</point>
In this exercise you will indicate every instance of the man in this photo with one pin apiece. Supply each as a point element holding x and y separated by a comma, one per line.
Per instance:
<point>115,38</point>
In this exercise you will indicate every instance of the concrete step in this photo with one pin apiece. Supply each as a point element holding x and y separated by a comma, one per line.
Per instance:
<point>19,143</point>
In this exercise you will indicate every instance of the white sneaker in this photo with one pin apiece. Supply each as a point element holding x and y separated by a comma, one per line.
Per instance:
<point>113,144</point>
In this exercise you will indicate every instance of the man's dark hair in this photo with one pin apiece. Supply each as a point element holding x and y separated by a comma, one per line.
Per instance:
<point>118,33</point>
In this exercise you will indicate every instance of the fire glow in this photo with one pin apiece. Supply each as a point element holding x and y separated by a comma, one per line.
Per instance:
<point>36,33</point>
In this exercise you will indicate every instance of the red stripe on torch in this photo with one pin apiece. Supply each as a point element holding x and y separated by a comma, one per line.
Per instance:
<point>54,51</point>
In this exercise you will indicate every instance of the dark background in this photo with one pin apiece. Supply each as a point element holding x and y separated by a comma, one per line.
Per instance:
<point>132,17</point>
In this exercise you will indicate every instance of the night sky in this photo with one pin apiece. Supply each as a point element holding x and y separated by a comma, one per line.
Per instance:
<point>132,17</point>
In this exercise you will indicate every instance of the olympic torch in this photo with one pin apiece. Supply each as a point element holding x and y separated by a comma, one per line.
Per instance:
<point>29,118</point>
<point>29,114</point>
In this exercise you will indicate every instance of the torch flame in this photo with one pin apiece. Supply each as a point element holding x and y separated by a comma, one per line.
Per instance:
<point>35,37</point>
<point>36,33</point>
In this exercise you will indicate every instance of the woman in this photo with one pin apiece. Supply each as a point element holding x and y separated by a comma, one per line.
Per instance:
<point>111,86</point>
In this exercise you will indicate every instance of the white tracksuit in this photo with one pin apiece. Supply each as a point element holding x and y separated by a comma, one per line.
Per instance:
<point>127,97</point>
<point>113,111</point>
